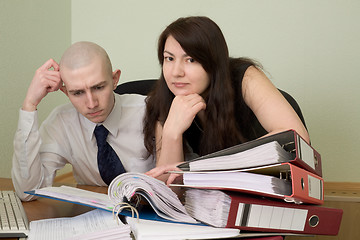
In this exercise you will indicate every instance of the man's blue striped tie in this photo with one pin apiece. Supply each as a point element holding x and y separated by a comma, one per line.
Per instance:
<point>109,163</point>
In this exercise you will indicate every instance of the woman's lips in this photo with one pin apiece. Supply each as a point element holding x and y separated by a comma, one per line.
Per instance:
<point>180,84</point>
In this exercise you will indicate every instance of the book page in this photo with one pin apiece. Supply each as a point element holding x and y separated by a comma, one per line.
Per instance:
<point>162,199</point>
<point>265,154</point>
<point>77,195</point>
<point>147,229</point>
<point>96,224</point>
<point>238,181</point>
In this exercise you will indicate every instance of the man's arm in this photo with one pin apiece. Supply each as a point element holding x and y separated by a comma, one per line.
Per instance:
<point>27,169</point>
<point>35,159</point>
<point>26,165</point>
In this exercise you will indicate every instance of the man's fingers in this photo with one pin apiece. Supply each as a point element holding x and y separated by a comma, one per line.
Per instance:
<point>53,87</point>
<point>50,80</point>
<point>51,63</point>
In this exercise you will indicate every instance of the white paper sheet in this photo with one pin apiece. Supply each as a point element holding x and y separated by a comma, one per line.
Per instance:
<point>96,224</point>
<point>155,230</point>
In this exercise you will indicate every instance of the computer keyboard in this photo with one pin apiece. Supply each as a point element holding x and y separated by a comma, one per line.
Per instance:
<point>13,219</point>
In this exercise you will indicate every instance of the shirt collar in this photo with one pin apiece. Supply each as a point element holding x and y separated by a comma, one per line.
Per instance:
<point>111,123</point>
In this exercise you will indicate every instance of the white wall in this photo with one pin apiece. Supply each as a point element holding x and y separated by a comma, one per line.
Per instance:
<point>309,48</point>
<point>31,32</point>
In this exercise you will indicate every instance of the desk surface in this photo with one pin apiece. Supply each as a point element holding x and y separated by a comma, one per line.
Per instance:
<point>44,208</point>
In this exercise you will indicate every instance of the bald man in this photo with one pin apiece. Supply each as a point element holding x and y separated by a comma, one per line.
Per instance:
<point>85,75</point>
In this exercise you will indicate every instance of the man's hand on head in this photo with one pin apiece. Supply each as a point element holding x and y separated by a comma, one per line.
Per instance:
<point>46,79</point>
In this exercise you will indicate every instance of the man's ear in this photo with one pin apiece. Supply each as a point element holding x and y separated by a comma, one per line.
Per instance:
<point>116,77</point>
<point>63,89</point>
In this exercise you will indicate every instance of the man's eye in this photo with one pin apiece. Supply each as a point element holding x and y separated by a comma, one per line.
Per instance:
<point>99,87</point>
<point>77,93</point>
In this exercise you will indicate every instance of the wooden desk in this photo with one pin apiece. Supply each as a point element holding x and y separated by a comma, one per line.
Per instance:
<point>44,208</point>
<point>337,195</point>
<point>345,196</point>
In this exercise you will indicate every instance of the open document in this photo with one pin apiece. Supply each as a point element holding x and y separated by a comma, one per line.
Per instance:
<point>155,230</point>
<point>96,224</point>
<point>126,193</point>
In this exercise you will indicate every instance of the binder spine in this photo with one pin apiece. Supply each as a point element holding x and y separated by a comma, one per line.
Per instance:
<point>309,158</point>
<point>264,215</point>
<point>307,187</point>
<point>270,217</point>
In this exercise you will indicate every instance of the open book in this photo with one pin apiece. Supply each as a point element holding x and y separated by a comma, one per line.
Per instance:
<point>93,225</point>
<point>125,193</point>
<point>162,199</point>
<point>151,230</point>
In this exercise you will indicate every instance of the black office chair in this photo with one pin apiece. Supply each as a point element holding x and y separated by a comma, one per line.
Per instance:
<point>143,87</point>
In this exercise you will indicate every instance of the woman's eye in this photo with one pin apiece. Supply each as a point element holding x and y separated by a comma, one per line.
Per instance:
<point>191,60</point>
<point>168,58</point>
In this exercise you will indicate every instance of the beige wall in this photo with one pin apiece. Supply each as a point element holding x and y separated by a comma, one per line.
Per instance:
<point>310,49</point>
<point>31,31</point>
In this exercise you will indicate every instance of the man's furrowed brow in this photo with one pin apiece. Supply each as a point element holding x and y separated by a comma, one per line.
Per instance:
<point>98,84</point>
<point>75,90</point>
<point>91,87</point>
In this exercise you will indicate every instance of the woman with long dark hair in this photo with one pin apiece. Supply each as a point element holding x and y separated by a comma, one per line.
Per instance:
<point>206,101</point>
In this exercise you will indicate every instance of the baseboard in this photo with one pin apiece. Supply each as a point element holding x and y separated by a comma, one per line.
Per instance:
<point>342,191</point>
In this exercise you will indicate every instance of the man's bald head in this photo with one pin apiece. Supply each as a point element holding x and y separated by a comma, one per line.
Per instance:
<point>82,54</point>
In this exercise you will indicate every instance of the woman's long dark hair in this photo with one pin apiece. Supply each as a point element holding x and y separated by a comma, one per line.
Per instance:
<point>203,40</point>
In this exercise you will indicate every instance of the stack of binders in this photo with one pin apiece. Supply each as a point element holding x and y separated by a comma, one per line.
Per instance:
<point>272,184</point>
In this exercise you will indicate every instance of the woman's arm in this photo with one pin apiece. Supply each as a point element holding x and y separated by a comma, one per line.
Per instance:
<point>272,110</point>
<point>169,153</point>
<point>169,137</point>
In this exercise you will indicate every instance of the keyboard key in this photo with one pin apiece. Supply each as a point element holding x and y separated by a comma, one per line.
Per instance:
<point>13,219</point>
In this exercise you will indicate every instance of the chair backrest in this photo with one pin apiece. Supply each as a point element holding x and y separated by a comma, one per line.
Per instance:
<point>143,87</point>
